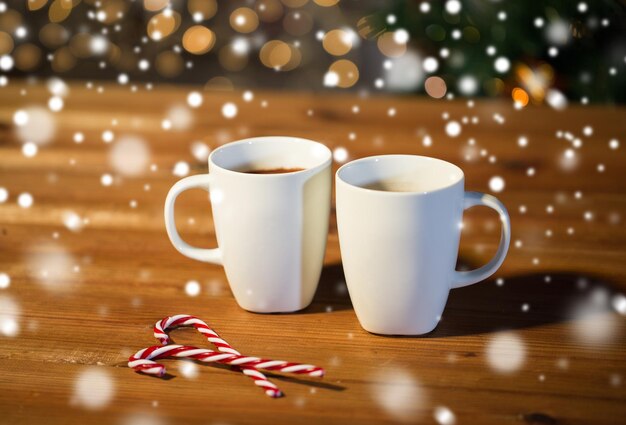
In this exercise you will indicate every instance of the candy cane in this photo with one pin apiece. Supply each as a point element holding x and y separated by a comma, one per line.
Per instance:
<point>186,320</point>
<point>143,360</point>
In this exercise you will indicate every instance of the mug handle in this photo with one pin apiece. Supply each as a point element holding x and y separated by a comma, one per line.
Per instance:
<point>472,199</point>
<point>201,181</point>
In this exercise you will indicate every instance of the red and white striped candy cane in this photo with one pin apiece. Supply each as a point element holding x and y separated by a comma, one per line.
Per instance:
<point>143,360</point>
<point>179,320</point>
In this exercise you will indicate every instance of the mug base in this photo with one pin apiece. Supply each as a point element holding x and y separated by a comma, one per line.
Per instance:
<point>382,331</point>
<point>267,310</point>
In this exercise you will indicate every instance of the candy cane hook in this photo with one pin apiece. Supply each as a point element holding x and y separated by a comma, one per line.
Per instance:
<point>143,360</point>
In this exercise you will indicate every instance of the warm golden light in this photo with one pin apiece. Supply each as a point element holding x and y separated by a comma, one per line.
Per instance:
<point>112,10</point>
<point>58,11</point>
<point>27,57</point>
<point>390,45</point>
<point>337,42</point>
<point>435,87</point>
<point>10,20</point>
<point>346,71</point>
<point>275,54</point>
<point>203,8</point>
<point>80,45</point>
<point>326,3</point>
<point>36,4</point>
<point>6,43</point>
<point>535,81</point>
<point>244,20</point>
<point>155,5</point>
<point>53,35</point>
<point>198,39</point>
<point>294,61</point>
<point>519,96</point>
<point>63,60</point>
<point>269,10</point>
<point>163,24</point>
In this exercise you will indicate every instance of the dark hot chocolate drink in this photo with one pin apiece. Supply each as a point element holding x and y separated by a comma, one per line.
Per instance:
<point>274,171</point>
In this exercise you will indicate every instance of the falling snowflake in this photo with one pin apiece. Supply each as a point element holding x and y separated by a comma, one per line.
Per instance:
<point>106,180</point>
<point>453,129</point>
<point>194,99</point>
<point>188,369</point>
<point>94,389</point>
<point>340,154</point>
<point>25,200</point>
<point>5,280</point>
<point>496,184</point>
<point>506,352</point>
<point>398,393</point>
<point>181,169</point>
<point>72,221</point>
<point>129,156</point>
<point>444,416</point>
<point>192,288</point>
<point>10,313</point>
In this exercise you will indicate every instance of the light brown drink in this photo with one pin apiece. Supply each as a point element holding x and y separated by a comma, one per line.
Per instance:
<point>396,186</point>
<point>275,171</point>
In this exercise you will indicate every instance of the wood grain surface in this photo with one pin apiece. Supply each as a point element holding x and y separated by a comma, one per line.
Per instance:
<point>541,342</point>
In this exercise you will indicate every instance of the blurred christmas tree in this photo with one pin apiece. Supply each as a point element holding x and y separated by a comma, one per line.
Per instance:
<point>533,50</point>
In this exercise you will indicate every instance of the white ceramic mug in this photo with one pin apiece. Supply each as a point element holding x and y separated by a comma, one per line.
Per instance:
<point>399,239</point>
<point>271,228</point>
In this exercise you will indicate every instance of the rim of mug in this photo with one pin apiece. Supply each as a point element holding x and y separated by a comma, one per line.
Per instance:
<point>377,158</point>
<point>327,157</point>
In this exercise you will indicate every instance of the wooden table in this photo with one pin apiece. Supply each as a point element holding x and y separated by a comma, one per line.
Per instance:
<point>521,347</point>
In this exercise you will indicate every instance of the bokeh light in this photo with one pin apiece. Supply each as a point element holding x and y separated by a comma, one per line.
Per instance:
<point>391,45</point>
<point>202,9</point>
<point>338,42</point>
<point>346,71</point>
<point>244,20</point>
<point>519,96</point>
<point>269,10</point>
<point>35,124</point>
<point>198,39</point>
<point>435,87</point>
<point>163,24</point>
<point>155,5</point>
<point>280,56</point>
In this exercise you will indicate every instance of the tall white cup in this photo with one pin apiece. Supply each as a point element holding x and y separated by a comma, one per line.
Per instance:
<point>399,219</point>
<point>271,228</point>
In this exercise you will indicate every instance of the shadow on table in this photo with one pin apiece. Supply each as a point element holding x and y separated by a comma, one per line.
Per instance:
<point>312,382</point>
<point>332,292</point>
<point>519,302</point>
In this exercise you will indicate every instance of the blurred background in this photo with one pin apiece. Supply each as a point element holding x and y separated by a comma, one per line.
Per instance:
<point>533,52</point>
